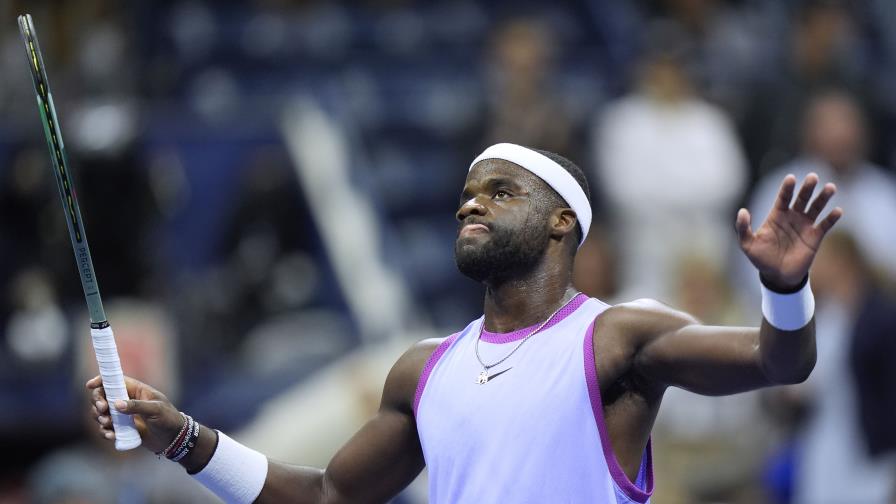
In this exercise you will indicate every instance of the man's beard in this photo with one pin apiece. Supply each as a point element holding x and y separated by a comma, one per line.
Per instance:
<point>506,254</point>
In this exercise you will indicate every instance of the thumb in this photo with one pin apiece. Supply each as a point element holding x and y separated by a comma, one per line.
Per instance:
<point>742,225</point>
<point>138,407</point>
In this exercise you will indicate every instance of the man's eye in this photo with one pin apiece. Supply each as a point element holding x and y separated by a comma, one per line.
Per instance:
<point>502,194</point>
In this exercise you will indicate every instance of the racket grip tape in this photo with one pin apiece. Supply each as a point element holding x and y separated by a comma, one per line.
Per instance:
<point>126,435</point>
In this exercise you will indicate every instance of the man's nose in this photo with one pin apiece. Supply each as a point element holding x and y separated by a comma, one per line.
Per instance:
<point>470,207</point>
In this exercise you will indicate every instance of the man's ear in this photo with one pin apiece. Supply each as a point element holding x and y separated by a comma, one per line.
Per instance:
<point>563,222</point>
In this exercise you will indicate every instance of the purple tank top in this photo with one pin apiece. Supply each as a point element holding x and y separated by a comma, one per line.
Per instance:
<point>535,433</point>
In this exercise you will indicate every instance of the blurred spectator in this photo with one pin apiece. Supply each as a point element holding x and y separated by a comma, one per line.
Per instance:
<point>92,471</point>
<point>37,330</point>
<point>734,45</point>
<point>834,461</point>
<point>823,52</point>
<point>880,17</point>
<point>595,266</point>
<point>671,168</point>
<point>834,139</point>
<point>873,345</point>
<point>31,220</point>
<point>521,106</point>
<point>35,252</point>
<point>206,84</point>
<point>702,290</point>
<point>710,445</point>
<point>120,214</point>
<point>264,268</point>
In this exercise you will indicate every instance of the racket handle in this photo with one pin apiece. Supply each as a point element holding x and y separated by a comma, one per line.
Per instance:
<point>126,435</point>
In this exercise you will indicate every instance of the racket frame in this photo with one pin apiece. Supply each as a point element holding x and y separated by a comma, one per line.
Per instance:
<point>63,174</point>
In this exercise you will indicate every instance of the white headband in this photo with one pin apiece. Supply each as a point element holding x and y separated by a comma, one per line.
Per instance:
<point>549,171</point>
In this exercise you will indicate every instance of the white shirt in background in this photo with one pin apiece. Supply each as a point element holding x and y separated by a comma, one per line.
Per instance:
<point>672,174</point>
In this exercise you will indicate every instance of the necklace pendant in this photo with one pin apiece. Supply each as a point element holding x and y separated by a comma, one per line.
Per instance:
<point>483,378</point>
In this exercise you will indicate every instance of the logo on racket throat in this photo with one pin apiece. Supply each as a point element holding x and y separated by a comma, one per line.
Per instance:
<point>84,264</point>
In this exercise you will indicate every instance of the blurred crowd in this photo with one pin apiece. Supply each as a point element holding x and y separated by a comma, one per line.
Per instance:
<point>269,191</point>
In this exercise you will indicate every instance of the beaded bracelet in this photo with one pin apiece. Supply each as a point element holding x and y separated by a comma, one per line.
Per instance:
<point>184,442</point>
<point>177,439</point>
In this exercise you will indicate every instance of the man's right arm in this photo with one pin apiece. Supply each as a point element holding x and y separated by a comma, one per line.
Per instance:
<point>373,466</point>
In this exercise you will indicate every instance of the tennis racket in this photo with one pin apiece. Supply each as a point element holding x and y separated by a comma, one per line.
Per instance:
<point>126,435</point>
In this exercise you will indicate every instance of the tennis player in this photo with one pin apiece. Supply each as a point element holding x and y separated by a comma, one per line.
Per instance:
<point>550,396</point>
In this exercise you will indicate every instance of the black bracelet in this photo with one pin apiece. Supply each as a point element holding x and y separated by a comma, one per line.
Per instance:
<point>777,289</point>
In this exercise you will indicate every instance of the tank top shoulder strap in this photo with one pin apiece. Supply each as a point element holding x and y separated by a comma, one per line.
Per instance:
<point>437,354</point>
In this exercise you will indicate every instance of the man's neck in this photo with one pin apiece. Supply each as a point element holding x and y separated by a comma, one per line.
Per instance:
<point>515,304</point>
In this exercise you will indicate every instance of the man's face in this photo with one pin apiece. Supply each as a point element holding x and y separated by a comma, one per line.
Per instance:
<point>502,231</point>
<point>835,132</point>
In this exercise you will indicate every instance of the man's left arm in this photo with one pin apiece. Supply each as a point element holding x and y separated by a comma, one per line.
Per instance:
<point>673,348</point>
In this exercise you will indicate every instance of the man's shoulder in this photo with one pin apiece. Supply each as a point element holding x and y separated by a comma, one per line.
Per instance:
<point>401,384</point>
<point>421,351</point>
<point>634,310</point>
<point>640,318</point>
<point>414,358</point>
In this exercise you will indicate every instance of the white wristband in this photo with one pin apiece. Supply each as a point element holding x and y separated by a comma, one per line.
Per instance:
<point>235,473</point>
<point>788,312</point>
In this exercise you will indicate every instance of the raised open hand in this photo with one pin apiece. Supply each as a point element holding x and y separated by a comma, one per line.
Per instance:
<point>784,246</point>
